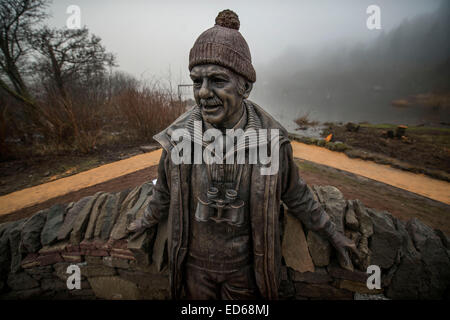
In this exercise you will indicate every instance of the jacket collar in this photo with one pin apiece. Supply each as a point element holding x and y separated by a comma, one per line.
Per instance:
<point>187,121</point>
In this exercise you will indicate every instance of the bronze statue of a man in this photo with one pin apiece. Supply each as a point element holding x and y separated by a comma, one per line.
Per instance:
<point>224,218</point>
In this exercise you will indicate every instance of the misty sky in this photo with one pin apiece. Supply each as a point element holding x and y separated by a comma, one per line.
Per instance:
<point>150,38</point>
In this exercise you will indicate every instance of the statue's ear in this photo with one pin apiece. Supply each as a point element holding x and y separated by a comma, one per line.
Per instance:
<point>248,89</point>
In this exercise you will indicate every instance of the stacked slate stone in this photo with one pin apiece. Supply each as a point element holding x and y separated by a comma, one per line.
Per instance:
<point>91,233</point>
<point>414,259</point>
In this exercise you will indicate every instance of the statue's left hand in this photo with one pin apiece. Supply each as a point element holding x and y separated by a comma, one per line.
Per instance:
<point>342,244</point>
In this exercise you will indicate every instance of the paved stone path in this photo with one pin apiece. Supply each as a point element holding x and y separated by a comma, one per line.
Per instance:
<point>37,194</point>
<point>417,183</point>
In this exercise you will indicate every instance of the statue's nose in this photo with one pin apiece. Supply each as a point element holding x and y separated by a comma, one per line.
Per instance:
<point>205,92</point>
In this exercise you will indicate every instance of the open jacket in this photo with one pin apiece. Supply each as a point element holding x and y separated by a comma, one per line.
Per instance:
<point>171,201</point>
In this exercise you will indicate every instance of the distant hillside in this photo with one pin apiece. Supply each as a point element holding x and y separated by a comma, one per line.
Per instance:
<point>359,82</point>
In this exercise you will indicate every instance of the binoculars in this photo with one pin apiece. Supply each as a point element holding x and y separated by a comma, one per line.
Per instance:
<point>228,209</point>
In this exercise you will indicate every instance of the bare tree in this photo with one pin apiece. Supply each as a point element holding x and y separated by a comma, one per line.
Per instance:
<point>69,56</point>
<point>17,19</point>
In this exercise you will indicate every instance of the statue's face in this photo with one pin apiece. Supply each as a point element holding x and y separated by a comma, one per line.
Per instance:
<point>219,92</point>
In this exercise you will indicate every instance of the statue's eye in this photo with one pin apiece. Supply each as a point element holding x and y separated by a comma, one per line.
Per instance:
<point>219,81</point>
<point>197,83</point>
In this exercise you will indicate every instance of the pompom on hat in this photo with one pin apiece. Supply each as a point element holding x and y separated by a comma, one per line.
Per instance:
<point>224,45</point>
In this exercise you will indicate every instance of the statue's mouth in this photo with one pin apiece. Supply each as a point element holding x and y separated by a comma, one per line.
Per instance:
<point>211,105</point>
<point>211,108</point>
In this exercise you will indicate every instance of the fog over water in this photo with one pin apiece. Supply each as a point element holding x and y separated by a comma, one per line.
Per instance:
<point>315,57</point>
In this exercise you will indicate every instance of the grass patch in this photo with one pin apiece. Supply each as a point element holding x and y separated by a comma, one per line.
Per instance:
<point>410,128</point>
<point>333,146</point>
<point>424,149</point>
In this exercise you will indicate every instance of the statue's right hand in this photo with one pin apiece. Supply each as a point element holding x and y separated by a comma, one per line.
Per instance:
<point>134,226</point>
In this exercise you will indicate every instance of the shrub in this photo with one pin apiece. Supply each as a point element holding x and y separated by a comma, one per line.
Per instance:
<point>147,111</point>
<point>4,149</point>
<point>72,122</point>
<point>304,121</point>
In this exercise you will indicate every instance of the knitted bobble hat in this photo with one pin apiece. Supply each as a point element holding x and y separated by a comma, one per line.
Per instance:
<point>224,45</point>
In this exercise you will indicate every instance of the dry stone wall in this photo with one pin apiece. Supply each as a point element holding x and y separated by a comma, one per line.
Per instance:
<point>91,233</point>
